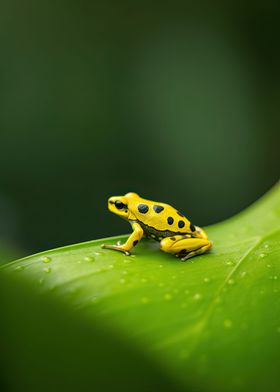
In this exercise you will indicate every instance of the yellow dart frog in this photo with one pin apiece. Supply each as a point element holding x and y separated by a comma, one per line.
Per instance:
<point>161,222</point>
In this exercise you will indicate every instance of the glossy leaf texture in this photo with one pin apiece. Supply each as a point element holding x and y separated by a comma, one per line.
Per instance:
<point>212,323</point>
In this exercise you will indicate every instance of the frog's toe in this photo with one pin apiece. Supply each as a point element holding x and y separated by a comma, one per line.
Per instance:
<point>116,247</point>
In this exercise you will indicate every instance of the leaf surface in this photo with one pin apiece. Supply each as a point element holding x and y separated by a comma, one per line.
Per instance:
<point>212,322</point>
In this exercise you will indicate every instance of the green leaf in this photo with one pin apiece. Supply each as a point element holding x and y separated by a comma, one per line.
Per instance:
<point>212,323</point>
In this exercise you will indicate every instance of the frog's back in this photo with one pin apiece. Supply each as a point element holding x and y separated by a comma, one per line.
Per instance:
<point>159,220</point>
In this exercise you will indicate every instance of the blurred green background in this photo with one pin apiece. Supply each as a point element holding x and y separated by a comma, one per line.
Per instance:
<point>178,102</point>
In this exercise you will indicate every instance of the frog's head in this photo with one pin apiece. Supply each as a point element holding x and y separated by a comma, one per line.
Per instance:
<point>119,205</point>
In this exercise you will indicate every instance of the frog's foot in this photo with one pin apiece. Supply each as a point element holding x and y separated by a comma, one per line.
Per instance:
<point>117,247</point>
<point>184,247</point>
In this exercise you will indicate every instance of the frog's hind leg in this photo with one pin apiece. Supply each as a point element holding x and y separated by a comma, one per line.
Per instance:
<point>184,246</point>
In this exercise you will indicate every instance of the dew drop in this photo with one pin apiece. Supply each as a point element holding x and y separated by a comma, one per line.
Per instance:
<point>231,282</point>
<point>97,254</point>
<point>41,281</point>
<point>122,281</point>
<point>89,258</point>
<point>174,276</point>
<point>275,277</point>
<point>47,270</point>
<point>19,268</point>
<point>143,280</point>
<point>167,297</point>
<point>227,323</point>
<point>266,246</point>
<point>160,266</point>
<point>127,261</point>
<point>206,280</point>
<point>243,274</point>
<point>124,272</point>
<point>229,263</point>
<point>145,300</point>
<point>46,259</point>
<point>110,266</point>
<point>262,255</point>
<point>268,265</point>
<point>197,297</point>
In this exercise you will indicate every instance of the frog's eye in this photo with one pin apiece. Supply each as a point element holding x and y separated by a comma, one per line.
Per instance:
<point>119,205</point>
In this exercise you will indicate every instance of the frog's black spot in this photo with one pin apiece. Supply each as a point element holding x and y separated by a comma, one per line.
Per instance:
<point>192,227</point>
<point>135,242</point>
<point>158,209</point>
<point>143,208</point>
<point>181,224</point>
<point>170,220</point>
<point>179,213</point>
<point>173,238</point>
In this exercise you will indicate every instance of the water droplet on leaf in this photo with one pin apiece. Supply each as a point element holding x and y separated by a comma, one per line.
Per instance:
<point>46,259</point>
<point>197,297</point>
<point>227,323</point>
<point>89,258</point>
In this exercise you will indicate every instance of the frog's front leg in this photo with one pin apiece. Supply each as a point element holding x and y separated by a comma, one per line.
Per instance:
<point>185,247</point>
<point>132,240</point>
